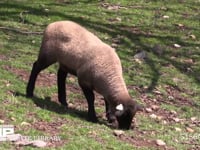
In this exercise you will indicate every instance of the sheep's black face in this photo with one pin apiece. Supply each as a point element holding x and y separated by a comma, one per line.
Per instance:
<point>125,114</point>
<point>124,120</point>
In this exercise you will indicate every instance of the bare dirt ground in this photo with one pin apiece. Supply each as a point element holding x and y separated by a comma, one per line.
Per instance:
<point>152,105</point>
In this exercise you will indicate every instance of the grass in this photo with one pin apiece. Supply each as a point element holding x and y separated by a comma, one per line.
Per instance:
<point>168,77</point>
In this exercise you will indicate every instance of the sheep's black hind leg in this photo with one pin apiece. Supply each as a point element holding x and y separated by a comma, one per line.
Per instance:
<point>61,78</point>
<point>36,69</point>
<point>90,99</point>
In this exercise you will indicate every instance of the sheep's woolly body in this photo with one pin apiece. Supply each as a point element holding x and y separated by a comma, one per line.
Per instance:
<point>95,63</point>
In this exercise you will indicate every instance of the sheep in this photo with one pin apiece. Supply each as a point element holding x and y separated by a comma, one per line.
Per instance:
<point>96,65</point>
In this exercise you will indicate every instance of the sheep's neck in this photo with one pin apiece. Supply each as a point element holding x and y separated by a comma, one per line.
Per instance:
<point>117,90</point>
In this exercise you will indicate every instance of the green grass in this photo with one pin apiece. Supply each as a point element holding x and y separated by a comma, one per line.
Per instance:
<point>134,26</point>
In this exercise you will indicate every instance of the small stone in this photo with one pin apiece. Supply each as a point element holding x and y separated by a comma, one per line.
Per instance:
<point>189,61</point>
<point>39,143</point>
<point>189,130</point>
<point>155,107</point>
<point>23,142</point>
<point>192,36</point>
<point>13,119</point>
<point>2,121</point>
<point>154,100</point>
<point>164,122</point>
<point>141,55</point>
<point>149,110</point>
<point>159,117</point>
<point>170,97</point>
<point>114,45</point>
<point>46,10</point>
<point>25,124</point>
<point>193,118</point>
<point>157,92</point>
<point>118,132</point>
<point>176,119</point>
<point>160,142</point>
<point>177,129</point>
<point>180,25</point>
<point>173,112</point>
<point>166,17</point>
<point>118,19</point>
<point>153,116</point>
<point>71,105</point>
<point>13,137</point>
<point>177,45</point>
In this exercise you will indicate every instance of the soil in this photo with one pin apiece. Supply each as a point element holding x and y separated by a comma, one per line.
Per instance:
<point>46,79</point>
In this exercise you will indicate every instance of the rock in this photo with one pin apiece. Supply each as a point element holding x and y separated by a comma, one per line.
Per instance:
<point>160,142</point>
<point>25,124</point>
<point>39,143</point>
<point>164,122</point>
<point>118,19</point>
<point>118,132</point>
<point>176,119</point>
<point>155,107</point>
<point>177,129</point>
<point>157,92</point>
<point>158,49</point>
<point>2,121</point>
<point>13,119</point>
<point>13,137</point>
<point>23,142</point>
<point>193,118</point>
<point>70,105</point>
<point>159,117</point>
<point>166,17</point>
<point>153,116</point>
<point>140,56</point>
<point>177,45</point>
<point>46,10</point>
<point>192,36</point>
<point>114,45</point>
<point>149,110</point>
<point>173,112</point>
<point>170,97</point>
<point>189,130</point>
<point>189,61</point>
<point>179,25</point>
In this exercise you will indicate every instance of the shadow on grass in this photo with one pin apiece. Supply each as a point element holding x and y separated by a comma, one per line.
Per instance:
<point>52,106</point>
<point>133,34</point>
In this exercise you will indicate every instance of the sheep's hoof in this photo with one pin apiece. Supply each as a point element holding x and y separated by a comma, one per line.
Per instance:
<point>29,95</point>
<point>64,104</point>
<point>93,119</point>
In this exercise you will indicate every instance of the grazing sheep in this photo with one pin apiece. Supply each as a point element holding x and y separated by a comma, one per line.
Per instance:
<point>97,66</point>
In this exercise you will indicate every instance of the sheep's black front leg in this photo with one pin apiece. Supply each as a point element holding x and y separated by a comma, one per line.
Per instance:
<point>107,109</point>
<point>61,78</point>
<point>89,94</point>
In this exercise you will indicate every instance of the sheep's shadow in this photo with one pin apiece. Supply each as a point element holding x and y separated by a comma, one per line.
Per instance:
<point>52,106</point>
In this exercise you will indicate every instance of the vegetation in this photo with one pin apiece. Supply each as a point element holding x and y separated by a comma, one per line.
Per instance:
<point>158,43</point>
